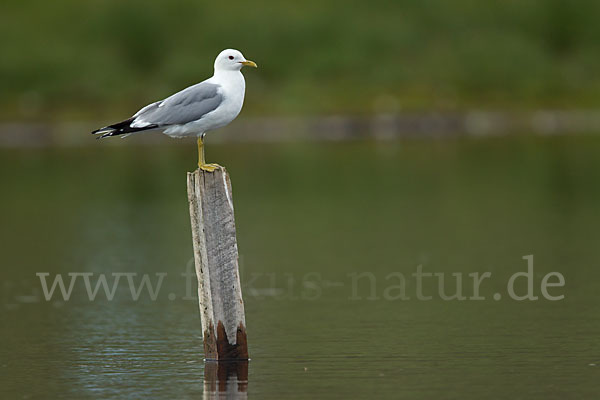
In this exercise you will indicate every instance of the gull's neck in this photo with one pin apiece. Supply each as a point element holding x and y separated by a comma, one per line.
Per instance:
<point>228,74</point>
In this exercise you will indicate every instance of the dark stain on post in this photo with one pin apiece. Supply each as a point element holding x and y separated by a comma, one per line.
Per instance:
<point>210,344</point>
<point>228,351</point>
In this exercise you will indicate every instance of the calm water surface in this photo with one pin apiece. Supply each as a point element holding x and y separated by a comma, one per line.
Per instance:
<point>310,217</point>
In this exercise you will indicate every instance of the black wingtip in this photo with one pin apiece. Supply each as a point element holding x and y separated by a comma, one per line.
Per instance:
<point>120,128</point>
<point>102,130</point>
<point>108,134</point>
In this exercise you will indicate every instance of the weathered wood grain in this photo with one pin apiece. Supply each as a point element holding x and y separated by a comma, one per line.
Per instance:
<point>217,270</point>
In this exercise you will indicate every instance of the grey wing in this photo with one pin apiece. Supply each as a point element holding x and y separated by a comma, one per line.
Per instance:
<point>189,105</point>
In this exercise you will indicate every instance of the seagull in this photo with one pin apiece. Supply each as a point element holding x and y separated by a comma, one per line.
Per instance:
<point>200,108</point>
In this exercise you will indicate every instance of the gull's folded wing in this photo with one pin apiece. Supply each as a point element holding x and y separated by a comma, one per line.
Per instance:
<point>189,105</point>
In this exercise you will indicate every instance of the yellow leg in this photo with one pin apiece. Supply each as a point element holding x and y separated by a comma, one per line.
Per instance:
<point>201,163</point>
<point>200,152</point>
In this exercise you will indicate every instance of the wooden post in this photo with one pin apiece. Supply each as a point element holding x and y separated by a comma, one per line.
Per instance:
<point>216,259</point>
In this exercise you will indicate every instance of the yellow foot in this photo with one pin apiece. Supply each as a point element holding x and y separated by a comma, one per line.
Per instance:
<point>209,167</point>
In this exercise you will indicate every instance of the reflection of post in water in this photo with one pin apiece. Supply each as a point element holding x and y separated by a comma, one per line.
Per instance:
<point>226,377</point>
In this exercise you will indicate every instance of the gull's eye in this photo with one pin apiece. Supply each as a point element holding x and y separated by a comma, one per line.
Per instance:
<point>231,57</point>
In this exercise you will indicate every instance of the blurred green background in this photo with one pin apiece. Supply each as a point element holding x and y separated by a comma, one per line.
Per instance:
<point>103,59</point>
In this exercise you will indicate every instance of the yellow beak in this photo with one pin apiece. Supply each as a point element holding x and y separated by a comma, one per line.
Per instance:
<point>249,63</point>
